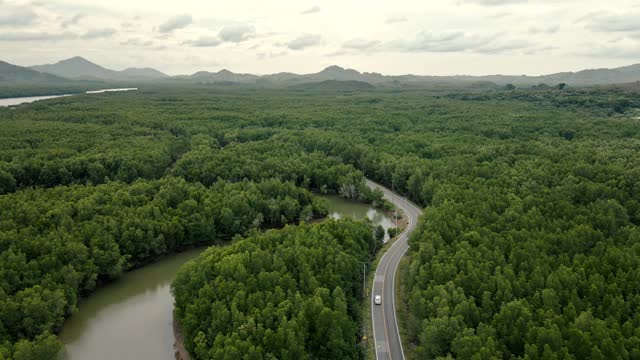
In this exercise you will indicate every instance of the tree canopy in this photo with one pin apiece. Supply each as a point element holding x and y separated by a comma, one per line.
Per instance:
<point>289,294</point>
<point>528,248</point>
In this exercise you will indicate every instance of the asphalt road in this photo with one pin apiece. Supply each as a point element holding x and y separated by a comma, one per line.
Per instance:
<point>385,326</point>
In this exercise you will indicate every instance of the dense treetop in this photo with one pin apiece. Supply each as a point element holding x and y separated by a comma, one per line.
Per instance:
<point>57,244</point>
<point>287,294</point>
<point>528,247</point>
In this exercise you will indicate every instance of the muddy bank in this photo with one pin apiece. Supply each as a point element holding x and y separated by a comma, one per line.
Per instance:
<point>181,352</point>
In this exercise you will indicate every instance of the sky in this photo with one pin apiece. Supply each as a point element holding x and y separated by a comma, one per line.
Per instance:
<point>425,37</point>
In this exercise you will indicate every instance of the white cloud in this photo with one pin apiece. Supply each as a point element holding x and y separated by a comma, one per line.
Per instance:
<point>271,55</point>
<point>625,49</point>
<point>137,43</point>
<point>74,20</point>
<point>312,10</point>
<point>304,41</point>
<point>228,34</point>
<point>438,42</point>
<point>608,22</point>
<point>499,15</point>
<point>537,50</point>
<point>36,36</point>
<point>543,30</point>
<point>205,41</point>
<point>468,36</point>
<point>396,19</point>
<point>175,23</point>
<point>495,2</point>
<point>361,44</point>
<point>447,41</point>
<point>17,17</point>
<point>99,33</point>
<point>237,33</point>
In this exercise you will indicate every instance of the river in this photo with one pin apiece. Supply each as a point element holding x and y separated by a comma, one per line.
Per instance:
<point>131,318</point>
<point>339,208</point>
<point>30,99</point>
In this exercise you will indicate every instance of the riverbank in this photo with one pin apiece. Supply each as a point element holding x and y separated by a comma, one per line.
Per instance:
<point>337,208</point>
<point>130,318</point>
<point>14,101</point>
<point>181,352</point>
<point>133,316</point>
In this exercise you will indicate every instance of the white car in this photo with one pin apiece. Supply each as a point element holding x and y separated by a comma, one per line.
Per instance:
<point>377,300</point>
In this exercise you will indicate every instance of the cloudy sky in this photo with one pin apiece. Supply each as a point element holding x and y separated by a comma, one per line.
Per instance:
<point>439,37</point>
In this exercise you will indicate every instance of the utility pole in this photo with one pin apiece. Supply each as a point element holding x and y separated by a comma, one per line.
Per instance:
<point>364,296</point>
<point>395,206</point>
<point>364,280</point>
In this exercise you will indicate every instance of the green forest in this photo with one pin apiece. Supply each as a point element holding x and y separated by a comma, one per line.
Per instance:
<point>60,243</point>
<point>529,247</point>
<point>287,294</point>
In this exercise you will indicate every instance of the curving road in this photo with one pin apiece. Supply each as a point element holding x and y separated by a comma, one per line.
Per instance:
<point>385,326</point>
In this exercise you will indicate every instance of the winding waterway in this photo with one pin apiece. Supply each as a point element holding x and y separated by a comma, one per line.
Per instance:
<point>30,99</point>
<point>132,317</point>
<point>339,208</point>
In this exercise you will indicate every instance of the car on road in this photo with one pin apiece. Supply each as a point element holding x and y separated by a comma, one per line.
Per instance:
<point>377,299</point>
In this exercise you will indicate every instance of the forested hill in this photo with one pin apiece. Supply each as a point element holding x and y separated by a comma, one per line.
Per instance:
<point>17,81</point>
<point>79,68</point>
<point>18,75</point>
<point>528,249</point>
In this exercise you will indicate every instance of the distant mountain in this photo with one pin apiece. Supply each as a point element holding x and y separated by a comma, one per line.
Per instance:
<point>599,76</point>
<point>337,73</point>
<point>330,73</point>
<point>223,76</point>
<point>283,77</point>
<point>76,68</point>
<point>581,78</point>
<point>143,73</point>
<point>334,85</point>
<point>81,68</point>
<point>13,75</point>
